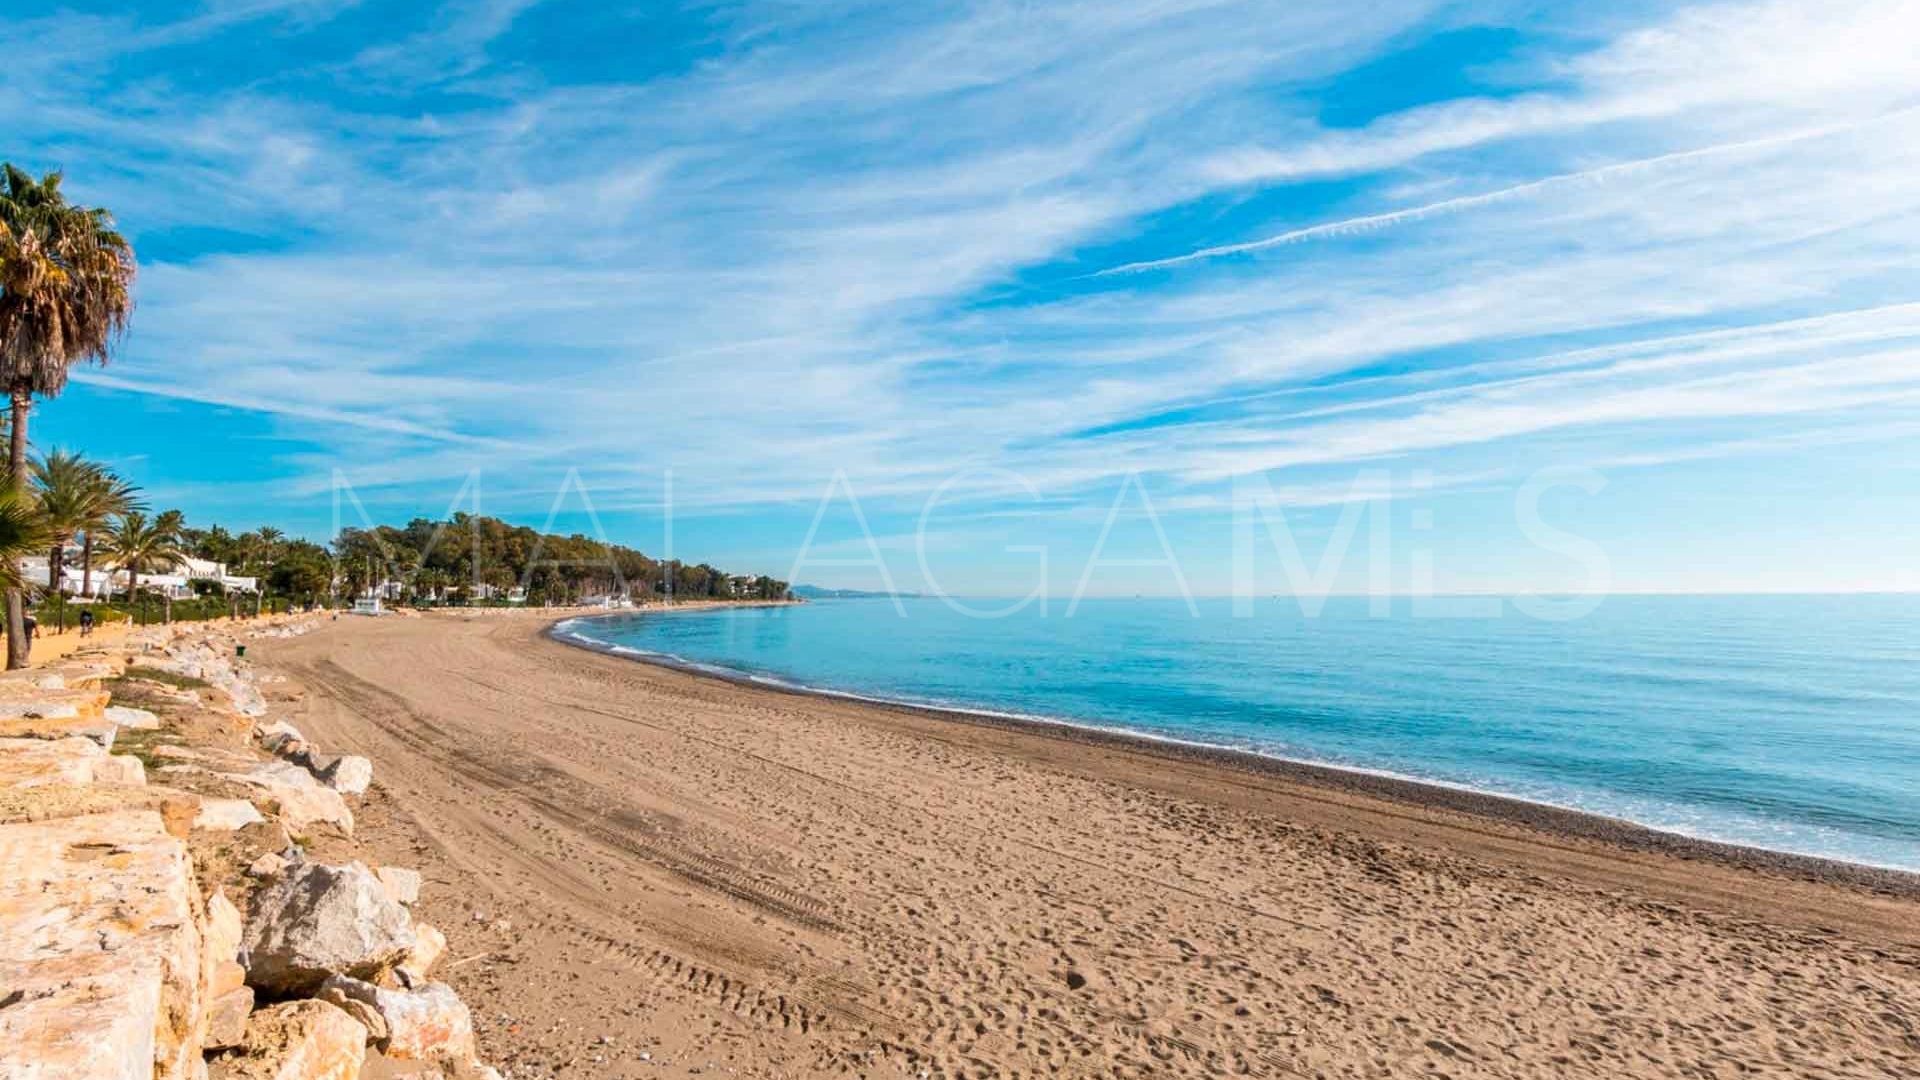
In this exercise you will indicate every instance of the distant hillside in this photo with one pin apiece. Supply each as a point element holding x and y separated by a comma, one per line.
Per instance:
<point>815,592</point>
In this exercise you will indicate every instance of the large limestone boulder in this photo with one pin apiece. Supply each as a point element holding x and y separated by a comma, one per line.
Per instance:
<point>18,702</point>
<point>29,763</point>
<point>138,719</point>
<point>426,952</point>
<point>280,735</point>
<point>99,729</point>
<point>26,680</point>
<point>247,699</point>
<point>73,673</point>
<point>120,769</point>
<point>226,815</point>
<point>301,799</point>
<point>401,883</point>
<point>297,1040</point>
<point>227,1019</point>
<point>348,774</point>
<point>314,920</point>
<point>45,802</point>
<point>101,952</point>
<point>426,1023</point>
<point>224,929</point>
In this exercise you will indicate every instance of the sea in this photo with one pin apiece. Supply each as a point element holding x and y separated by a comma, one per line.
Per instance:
<point>1783,722</point>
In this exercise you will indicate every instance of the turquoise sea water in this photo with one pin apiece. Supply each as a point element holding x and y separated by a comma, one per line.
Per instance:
<point>1790,723</point>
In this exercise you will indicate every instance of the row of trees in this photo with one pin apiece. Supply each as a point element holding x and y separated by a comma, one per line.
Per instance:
<point>69,498</point>
<point>74,499</point>
<point>472,554</point>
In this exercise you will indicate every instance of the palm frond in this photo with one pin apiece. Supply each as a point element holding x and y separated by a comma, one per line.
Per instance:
<point>66,279</point>
<point>22,533</point>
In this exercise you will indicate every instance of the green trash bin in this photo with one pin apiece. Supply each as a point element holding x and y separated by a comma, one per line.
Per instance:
<point>239,650</point>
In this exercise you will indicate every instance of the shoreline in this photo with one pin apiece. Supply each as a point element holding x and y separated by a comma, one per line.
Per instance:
<point>646,874</point>
<point>1542,817</point>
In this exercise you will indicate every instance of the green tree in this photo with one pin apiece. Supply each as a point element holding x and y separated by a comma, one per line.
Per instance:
<point>66,293</point>
<point>143,545</point>
<point>113,498</point>
<point>302,572</point>
<point>76,496</point>
<point>22,532</point>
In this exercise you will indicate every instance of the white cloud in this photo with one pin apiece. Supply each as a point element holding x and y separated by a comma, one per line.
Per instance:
<point>1752,62</point>
<point>867,252</point>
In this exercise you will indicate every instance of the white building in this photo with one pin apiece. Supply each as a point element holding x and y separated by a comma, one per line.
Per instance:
<point>171,586</point>
<point>208,570</point>
<point>108,580</point>
<point>33,569</point>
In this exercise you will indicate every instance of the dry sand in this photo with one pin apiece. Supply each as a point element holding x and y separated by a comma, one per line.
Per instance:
<point>648,873</point>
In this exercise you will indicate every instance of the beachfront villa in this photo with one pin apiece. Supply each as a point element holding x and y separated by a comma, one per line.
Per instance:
<point>181,584</point>
<point>33,569</point>
<point>108,579</point>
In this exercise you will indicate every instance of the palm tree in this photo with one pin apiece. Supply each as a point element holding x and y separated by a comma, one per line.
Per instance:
<point>66,293</point>
<point>69,490</point>
<point>21,533</point>
<point>141,545</point>
<point>113,498</point>
<point>246,549</point>
<point>270,541</point>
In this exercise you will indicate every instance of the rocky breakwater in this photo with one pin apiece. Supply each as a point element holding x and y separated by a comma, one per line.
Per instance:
<point>180,901</point>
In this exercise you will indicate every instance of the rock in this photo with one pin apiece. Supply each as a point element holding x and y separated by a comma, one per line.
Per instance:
<point>32,703</point>
<point>297,1040</point>
<point>38,710</point>
<point>279,733</point>
<point>178,812</point>
<point>401,883</point>
<point>287,746</point>
<point>300,799</point>
<point>268,835</point>
<point>26,763</point>
<point>316,920</point>
<point>362,1011</point>
<point>49,801</point>
<point>31,679</point>
<point>100,949</point>
<point>348,774</point>
<point>427,951</point>
<point>119,769</point>
<point>227,1019</point>
<point>227,975</point>
<point>226,815</point>
<point>247,700</point>
<point>266,866</point>
<point>99,730</point>
<point>140,719</point>
<point>223,929</point>
<point>429,1022</point>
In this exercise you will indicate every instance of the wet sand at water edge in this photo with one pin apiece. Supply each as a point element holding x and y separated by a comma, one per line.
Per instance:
<point>648,873</point>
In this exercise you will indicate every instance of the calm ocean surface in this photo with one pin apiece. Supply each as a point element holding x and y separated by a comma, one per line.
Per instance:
<point>1790,723</point>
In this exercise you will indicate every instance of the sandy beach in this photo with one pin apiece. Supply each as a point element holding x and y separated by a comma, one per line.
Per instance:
<point>645,872</point>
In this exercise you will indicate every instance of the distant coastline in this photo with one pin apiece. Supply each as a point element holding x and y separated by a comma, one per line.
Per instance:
<point>815,592</point>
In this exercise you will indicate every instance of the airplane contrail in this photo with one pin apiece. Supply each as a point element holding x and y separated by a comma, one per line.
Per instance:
<point>1355,225</point>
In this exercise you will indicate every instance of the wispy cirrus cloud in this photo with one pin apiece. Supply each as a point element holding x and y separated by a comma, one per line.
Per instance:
<point>769,241</point>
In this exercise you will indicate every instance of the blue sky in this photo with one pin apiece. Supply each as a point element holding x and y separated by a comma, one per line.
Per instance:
<point>1407,266</point>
